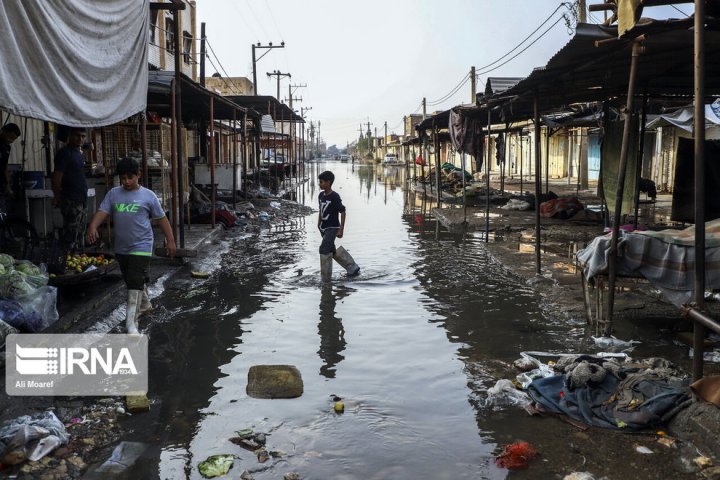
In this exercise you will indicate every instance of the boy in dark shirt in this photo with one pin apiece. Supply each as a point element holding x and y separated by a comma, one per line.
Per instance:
<point>331,207</point>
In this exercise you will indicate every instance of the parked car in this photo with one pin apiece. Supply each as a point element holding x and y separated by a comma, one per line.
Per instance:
<point>391,159</point>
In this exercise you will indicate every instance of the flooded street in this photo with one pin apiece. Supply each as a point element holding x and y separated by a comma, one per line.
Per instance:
<point>411,345</point>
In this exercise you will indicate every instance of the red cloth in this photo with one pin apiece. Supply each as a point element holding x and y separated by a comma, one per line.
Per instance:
<point>564,207</point>
<point>515,456</point>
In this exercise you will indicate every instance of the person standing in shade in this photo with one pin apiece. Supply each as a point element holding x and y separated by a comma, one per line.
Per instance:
<point>8,134</point>
<point>331,222</point>
<point>70,188</point>
<point>132,208</point>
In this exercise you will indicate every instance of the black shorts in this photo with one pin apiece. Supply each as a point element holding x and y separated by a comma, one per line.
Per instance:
<point>134,270</point>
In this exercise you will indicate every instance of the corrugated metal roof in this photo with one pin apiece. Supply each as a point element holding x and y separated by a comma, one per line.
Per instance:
<point>500,84</point>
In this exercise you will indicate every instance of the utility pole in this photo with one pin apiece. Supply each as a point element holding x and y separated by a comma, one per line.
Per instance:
<point>318,138</point>
<point>385,142</point>
<point>254,60</point>
<point>279,75</point>
<point>424,104</point>
<point>582,11</point>
<point>369,138</point>
<point>473,86</point>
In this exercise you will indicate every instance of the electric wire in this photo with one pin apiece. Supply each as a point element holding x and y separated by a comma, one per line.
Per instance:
<point>676,8</point>
<point>523,50</point>
<point>452,92</point>
<point>221,66</point>
<point>525,39</point>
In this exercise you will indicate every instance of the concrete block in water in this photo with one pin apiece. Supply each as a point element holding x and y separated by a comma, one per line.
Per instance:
<point>274,381</point>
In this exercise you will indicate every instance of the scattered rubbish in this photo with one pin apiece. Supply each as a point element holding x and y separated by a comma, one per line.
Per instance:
<point>291,476</point>
<point>339,407</point>
<point>263,192</point>
<point>579,476</point>
<point>198,274</point>
<point>216,465</point>
<point>263,216</point>
<point>275,205</point>
<point>713,356</point>
<point>36,435</point>
<point>525,364</point>
<point>668,442</point>
<point>262,455</point>
<point>708,388</point>
<point>249,440</point>
<point>137,403</point>
<point>525,379</point>
<point>516,204</point>
<point>274,381</point>
<point>702,461</point>
<point>5,330</point>
<point>122,458</point>
<point>505,393</point>
<point>245,475</point>
<point>642,449</point>
<point>516,456</point>
<point>612,342</point>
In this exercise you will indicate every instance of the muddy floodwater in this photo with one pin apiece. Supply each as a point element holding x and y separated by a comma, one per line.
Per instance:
<point>411,345</point>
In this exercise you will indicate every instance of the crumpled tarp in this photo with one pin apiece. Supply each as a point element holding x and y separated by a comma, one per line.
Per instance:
<point>597,404</point>
<point>665,258</point>
<point>81,63</point>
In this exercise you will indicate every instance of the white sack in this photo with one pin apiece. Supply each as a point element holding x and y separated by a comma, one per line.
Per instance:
<point>79,63</point>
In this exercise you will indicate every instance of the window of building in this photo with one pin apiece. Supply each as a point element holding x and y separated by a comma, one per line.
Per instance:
<point>187,47</point>
<point>153,26</point>
<point>170,35</point>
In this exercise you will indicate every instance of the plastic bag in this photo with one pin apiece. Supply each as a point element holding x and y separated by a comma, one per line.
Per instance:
<point>38,435</point>
<point>15,285</point>
<point>505,393</point>
<point>13,313</point>
<point>41,302</point>
<point>5,330</point>
<point>35,276</point>
<point>6,260</point>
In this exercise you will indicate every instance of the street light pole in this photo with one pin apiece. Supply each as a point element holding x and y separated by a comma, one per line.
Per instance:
<point>254,60</point>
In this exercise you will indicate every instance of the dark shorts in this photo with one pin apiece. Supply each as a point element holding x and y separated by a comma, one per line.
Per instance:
<point>134,270</point>
<point>328,241</point>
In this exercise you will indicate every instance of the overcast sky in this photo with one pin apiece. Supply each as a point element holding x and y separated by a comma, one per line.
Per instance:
<point>374,60</point>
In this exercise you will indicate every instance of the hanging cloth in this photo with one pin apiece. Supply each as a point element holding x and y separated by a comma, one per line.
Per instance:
<point>81,63</point>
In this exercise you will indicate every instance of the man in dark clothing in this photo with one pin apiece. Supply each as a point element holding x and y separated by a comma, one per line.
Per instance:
<point>8,134</point>
<point>70,187</point>
<point>331,227</point>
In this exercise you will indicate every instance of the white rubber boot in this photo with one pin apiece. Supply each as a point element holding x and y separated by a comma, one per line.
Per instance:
<point>133,306</point>
<point>145,304</point>
<point>346,260</point>
<point>326,267</point>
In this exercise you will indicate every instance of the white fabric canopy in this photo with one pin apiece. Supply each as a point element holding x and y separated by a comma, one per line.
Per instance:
<point>685,117</point>
<point>79,63</point>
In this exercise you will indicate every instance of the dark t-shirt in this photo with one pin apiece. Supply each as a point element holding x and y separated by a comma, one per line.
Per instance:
<point>70,161</point>
<point>330,208</point>
<point>4,159</point>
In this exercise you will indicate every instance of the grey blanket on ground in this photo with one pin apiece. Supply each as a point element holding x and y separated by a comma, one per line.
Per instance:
<point>666,259</point>
<point>605,404</point>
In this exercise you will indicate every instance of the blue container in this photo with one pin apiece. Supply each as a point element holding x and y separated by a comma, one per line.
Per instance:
<point>33,180</point>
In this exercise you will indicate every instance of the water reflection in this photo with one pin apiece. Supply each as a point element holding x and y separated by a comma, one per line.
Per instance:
<point>330,329</point>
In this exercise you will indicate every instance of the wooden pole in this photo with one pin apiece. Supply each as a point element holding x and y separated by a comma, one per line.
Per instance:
<point>213,189</point>
<point>612,253</point>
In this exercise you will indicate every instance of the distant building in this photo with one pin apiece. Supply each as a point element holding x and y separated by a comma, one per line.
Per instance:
<point>229,85</point>
<point>410,122</point>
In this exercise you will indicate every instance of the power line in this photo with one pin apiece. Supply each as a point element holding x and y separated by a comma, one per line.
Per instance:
<point>525,39</point>
<point>452,92</point>
<point>676,8</point>
<point>524,49</point>
<point>221,66</point>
